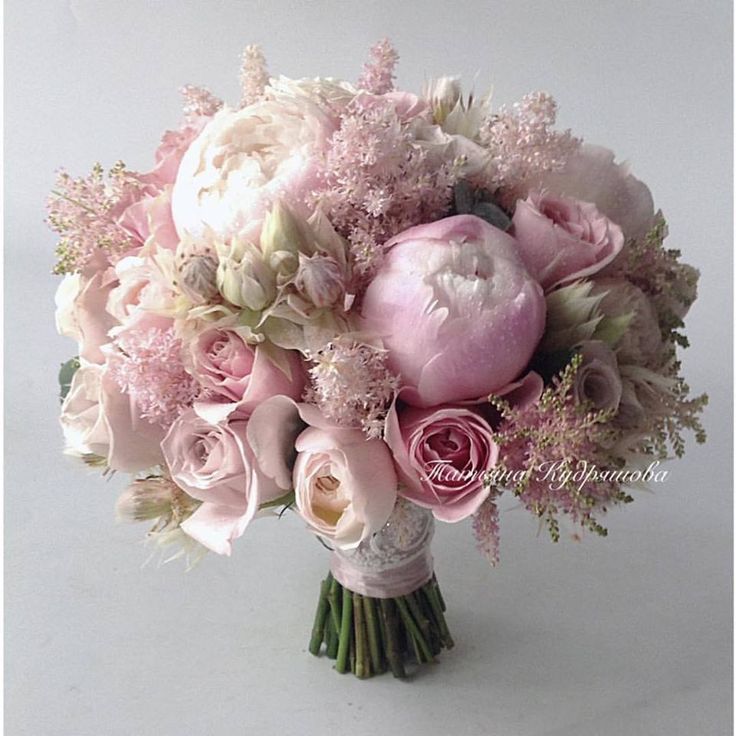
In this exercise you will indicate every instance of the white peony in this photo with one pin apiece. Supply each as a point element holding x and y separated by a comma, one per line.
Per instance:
<point>244,160</point>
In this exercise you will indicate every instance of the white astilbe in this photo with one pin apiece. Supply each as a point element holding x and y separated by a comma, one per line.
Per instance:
<point>352,385</point>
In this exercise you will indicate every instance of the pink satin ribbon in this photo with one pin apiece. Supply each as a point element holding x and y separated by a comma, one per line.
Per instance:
<point>389,582</point>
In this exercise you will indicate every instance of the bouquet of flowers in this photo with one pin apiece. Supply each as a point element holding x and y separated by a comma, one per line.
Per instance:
<point>374,309</point>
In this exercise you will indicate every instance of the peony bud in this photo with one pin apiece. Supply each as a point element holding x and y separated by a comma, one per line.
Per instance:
<point>320,280</point>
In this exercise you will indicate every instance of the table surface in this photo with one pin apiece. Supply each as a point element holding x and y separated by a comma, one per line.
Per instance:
<point>627,635</point>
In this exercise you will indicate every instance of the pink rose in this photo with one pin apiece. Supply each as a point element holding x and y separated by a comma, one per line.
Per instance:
<point>598,380</point>
<point>345,484</point>
<point>591,174</point>
<point>214,463</point>
<point>456,308</point>
<point>563,239</point>
<point>98,419</point>
<point>240,375</point>
<point>442,455</point>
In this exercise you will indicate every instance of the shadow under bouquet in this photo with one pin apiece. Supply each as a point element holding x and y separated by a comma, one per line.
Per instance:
<point>377,310</point>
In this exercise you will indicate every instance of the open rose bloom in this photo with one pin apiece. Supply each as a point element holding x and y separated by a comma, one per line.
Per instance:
<point>373,310</point>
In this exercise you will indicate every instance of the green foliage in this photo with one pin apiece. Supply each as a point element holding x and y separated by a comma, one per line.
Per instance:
<point>66,373</point>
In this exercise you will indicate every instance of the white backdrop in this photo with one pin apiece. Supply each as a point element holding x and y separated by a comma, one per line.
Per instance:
<point>628,635</point>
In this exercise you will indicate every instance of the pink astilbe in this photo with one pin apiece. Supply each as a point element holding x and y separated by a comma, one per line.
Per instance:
<point>523,145</point>
<point>558,434</point>
<point>84,210</point>
<point>486,529</point>
<point>378,71</point>
<point>379,180</point>
<point>199,102</point>
<point>671,285</point>
<point>148,366</point>
<point>253,75</point>
<point>351,384</point>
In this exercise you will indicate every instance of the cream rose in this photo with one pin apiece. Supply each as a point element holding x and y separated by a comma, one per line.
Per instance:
<point>345,485</point>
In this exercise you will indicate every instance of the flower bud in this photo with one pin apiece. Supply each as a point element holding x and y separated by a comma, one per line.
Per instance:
<point>280,232</point>
<point>243,278</point>
<point>443,94</point>
<point>198,278</point>
<point>320,280</point>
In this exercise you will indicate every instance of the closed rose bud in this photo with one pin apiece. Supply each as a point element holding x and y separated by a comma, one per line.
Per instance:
<point>320,280</point>
<point>198,278</point>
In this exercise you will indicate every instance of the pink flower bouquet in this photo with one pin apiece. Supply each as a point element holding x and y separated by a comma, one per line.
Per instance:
<point>373,309</point>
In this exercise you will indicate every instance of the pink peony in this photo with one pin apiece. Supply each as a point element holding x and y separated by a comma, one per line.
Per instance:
<point>237,374</point>
<point>345,484</point>
<point>456,308</point>
<point>564,239</point>
<point>214,464</point>
<point>442,455</point>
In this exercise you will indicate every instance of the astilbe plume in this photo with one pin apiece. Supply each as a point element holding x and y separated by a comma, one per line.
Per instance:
<point>524,146</point>
<point>378,72</point>
<point>199,102</point>
<point>378,180</point>
<point>671,285</point>
<point>82,210</point>
<point>147,365</point>
<point>352,385</point>
<point>486,529</point>
<point>558,433</point>
<point>667,412</point>
<point>253,75</point>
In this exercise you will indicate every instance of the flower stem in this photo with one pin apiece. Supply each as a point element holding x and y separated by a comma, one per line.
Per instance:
<point>343,648</point>
<point>368,635</point>
<point>373,635</point>
<point>318,628</point>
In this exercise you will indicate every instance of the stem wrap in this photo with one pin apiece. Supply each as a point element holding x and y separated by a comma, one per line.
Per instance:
<point>393,563</point>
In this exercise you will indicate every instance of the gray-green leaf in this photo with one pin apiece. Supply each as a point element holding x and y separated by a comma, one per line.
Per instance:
<point>66,373</point>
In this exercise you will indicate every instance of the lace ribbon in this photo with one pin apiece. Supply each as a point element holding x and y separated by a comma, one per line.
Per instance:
<point>395,561</point>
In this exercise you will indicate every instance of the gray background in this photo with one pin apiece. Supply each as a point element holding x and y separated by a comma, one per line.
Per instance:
<point>629,635</point>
